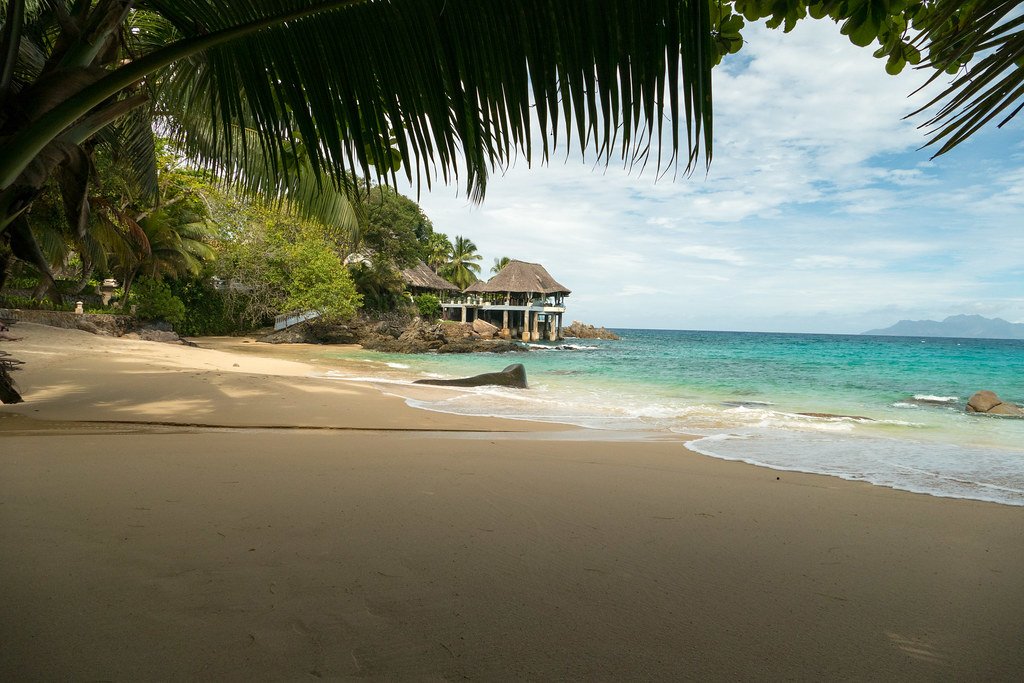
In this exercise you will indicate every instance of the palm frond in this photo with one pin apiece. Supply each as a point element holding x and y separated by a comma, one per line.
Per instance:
<point>984,90</point>
<point>184,105</point>
<point>452,86</point>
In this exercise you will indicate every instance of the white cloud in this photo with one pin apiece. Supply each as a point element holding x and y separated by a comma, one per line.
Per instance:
<point>818,213</point>
<point>709,253</point>
<point>640,290</point>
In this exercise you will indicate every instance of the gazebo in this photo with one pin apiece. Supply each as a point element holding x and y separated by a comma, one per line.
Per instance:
<point>529,299</point>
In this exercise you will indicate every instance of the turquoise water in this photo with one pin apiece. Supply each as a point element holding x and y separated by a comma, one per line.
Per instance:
<point>894,405</point>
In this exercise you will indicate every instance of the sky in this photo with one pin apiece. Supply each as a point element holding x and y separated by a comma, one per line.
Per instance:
<point>819,212</point>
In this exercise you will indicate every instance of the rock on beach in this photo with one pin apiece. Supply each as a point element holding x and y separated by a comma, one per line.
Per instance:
<point>512,376</point>
<point>988,403</point>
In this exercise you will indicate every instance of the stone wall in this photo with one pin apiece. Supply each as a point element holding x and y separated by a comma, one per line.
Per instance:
<point>97,323</point>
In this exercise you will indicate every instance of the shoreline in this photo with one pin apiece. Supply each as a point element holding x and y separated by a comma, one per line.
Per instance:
<point>365,540</point>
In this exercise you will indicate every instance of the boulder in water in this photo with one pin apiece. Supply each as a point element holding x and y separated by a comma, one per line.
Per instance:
<point>1006,409</point>
<point>512,376</point>
<point>989,403</point>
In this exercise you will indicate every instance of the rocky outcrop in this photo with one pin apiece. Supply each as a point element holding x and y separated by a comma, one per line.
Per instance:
<point>398,335</point>
<point>512,376</point>
<point>158,332</point>
<point>988,403</point>
<point>585,331</point>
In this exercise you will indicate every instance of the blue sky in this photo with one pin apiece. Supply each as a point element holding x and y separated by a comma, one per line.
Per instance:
<point>818,213</point>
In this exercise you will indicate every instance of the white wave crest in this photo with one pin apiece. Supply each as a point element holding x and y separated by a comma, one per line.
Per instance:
<point>563,347</point>
<point>935,399</point>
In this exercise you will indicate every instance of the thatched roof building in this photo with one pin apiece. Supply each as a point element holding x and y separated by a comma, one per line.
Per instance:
<point>522,301</point>
<point>421,277</point>
<point>521,277</point>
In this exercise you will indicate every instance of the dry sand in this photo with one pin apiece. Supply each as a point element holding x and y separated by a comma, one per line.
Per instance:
<point>364,546</point>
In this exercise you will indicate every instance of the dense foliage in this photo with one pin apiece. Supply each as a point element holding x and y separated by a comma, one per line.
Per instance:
<point>318,281</point>
<point>152,299</point>
<point>428,306</point>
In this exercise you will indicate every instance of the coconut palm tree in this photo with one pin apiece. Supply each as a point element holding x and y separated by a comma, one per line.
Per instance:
<point>499,263</point>
<point>439,251</point>
<point>462,270</point>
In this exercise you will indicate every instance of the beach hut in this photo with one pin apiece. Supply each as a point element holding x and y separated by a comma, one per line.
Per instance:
<point>420,279</point>
<point>527,301</point>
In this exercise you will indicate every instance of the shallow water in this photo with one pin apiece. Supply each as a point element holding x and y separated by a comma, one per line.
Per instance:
<point>894,405</point>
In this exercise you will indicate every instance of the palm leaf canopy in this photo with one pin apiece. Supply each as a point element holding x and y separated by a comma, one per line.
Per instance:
<point>456,81</point>
<point>448,87</point>
<point>992,86</point>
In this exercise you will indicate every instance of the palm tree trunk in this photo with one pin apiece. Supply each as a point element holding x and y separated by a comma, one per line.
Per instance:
<point>87,269</point>
<point>129,280</point>
<point>9,45</point>
<point>6,258</point>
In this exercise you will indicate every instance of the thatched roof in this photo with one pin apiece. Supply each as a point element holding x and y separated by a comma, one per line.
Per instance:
<point>521,277</point>
<point>423,277</point>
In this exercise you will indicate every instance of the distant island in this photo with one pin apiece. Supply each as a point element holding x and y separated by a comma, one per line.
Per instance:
<point>970,326</point>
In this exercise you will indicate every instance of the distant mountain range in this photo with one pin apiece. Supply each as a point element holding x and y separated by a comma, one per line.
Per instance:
<point>971,326</point>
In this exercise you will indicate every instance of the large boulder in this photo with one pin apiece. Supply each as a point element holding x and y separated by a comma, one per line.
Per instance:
<point>982,402</point>
<point>484,329</point>
<point>988,403</point>
<point>512,376</point>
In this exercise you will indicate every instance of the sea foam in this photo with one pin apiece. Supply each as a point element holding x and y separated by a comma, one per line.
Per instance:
<point>936,399</point>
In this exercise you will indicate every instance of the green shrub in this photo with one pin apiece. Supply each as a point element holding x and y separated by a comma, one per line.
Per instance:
<point>206,310</point>
<point>153,300</point>
<point>27,303</point>
<point>320,282</point>
<point>428,305</point>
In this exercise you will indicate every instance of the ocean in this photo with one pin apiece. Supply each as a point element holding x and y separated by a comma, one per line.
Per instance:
<point>888,410</point>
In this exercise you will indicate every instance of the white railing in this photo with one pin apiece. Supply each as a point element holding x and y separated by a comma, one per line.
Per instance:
<point>286,320</point>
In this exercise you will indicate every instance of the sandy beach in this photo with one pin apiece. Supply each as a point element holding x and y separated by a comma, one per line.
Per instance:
<point>225,513</point>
